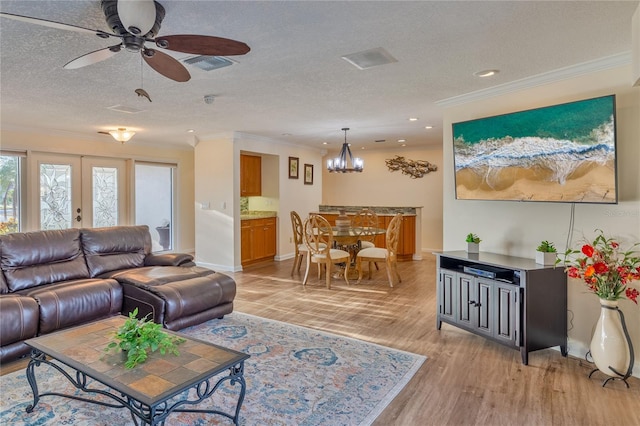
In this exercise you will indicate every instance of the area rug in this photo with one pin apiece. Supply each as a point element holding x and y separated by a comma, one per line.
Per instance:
<point>295,376</point>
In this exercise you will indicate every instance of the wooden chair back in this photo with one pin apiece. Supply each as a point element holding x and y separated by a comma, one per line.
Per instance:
<point>318,236</point>
<point>393,235</point>
<point>366,220</point>
<point>296,223</point>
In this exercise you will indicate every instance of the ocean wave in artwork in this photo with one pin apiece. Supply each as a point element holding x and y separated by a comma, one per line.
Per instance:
<point>559,158</point>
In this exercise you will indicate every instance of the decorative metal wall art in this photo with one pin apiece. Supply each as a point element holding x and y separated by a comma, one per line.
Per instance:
<point>414,168</point>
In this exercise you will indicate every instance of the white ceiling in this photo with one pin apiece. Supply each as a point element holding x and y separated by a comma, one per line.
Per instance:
<point>293,86</point>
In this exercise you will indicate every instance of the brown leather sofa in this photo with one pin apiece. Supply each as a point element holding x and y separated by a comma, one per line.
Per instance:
<point>50,280</point>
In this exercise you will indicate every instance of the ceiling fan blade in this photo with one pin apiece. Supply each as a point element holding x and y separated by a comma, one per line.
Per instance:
<point>137,16</point>
<point>166,65</point>
<point>93,57</point>
<point>202,45</point>
<point>57,25</point>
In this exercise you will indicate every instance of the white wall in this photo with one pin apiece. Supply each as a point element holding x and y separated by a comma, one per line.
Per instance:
<point>516,228</point>
<point>378,186</point>
<point>217,181</point>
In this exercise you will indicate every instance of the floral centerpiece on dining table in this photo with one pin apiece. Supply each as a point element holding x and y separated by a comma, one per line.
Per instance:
<point>611,273</point>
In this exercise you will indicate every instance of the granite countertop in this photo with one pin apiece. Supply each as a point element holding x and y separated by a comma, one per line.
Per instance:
<point>255,214</point>
<point>380,211</point>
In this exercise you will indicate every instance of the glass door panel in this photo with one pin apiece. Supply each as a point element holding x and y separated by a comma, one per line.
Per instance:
<point>77,192</point>
<point>104,192</point>
<point>56,197</point>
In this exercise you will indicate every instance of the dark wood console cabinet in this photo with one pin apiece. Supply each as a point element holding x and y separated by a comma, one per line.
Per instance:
<point>510,300</point>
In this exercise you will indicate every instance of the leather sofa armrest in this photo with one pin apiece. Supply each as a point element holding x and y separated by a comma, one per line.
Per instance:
<point>169,259</point>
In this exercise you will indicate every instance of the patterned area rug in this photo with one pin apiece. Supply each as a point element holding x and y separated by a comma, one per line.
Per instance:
<point>295,376</point>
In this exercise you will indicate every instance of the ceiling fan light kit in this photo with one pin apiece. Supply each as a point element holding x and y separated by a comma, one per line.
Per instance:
<point>345,162</point>
<point>136,23</point>
<point>122,135</point>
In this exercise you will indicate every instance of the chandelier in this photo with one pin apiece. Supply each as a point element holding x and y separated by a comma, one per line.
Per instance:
<point>341,164</point>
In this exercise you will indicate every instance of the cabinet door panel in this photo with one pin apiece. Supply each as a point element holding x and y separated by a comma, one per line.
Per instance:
<point>507,314</point>
<point>467,297</point>
<point>270,237</point>
<point>245,242</point>
<point>447,295</point>
<point>485,306</point>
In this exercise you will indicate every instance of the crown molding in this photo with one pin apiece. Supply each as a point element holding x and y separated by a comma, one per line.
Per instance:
<point>583,68</point>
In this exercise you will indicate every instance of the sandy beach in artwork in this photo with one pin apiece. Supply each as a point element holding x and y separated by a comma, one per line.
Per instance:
<point>590,182</point>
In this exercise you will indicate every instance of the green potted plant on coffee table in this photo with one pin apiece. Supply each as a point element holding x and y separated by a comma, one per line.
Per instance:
<point>138,337</point>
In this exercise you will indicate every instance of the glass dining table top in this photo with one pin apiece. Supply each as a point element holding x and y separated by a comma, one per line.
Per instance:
<point>356,231</point>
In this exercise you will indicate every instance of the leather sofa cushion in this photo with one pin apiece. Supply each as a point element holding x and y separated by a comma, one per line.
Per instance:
<point>151,276</point>
<point>32,259</point>
<point>20,319</point>
<point>75,302</point>
<point>115,248</point>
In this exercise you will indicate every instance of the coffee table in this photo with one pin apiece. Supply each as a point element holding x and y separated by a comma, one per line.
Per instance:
<point>151,391</point>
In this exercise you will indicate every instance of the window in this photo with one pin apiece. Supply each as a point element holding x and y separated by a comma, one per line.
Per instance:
<point>11,169</point>
<point>154,202</point>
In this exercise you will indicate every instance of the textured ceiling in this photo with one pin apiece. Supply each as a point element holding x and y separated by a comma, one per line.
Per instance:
<point>293,86</point>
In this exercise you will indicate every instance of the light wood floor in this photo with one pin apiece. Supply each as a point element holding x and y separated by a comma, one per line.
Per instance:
<point>466,380</point>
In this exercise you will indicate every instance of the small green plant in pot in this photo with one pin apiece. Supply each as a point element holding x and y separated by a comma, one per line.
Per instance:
<point>473,243</point>
<point>473,238</point>
<point>137,337</point>
<point>546,253</point>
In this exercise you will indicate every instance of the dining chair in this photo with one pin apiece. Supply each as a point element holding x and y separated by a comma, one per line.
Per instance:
<point>388,254</point>
<point>298,239</point>
<point>318,237</point>
<point>366,220</point>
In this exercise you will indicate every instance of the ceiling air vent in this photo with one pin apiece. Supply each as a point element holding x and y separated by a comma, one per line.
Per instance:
<point>208,63</point>
<point>125,109</point>
<point>370,58</point>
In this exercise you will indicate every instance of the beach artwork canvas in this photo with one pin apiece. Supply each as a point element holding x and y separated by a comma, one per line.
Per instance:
<point>560,153</point>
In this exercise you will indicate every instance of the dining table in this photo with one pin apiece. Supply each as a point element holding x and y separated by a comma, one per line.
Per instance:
<point>349,239</point>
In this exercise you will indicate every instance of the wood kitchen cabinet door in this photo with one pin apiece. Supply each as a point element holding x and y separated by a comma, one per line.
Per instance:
<point>250,175</point>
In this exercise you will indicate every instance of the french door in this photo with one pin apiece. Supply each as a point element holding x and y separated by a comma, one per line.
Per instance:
<point>69,191</point>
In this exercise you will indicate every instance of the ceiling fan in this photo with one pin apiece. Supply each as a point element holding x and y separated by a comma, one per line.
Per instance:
<point>135,23</point>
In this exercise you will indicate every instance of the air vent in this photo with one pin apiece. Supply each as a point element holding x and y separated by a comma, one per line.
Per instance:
<point>370,58</point>
<point>125,109</point>
<point>208,63</point>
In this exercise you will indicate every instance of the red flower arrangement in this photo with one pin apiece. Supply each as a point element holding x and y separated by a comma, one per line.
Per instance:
<point>607,271</point>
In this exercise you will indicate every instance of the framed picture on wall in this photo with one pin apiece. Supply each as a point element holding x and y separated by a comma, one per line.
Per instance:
<point>308,174</point>
<point>293,167</point>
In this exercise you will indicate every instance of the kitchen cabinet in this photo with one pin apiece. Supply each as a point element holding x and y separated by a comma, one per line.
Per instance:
<point>250,175</point>
<point>507,299</point>
<point>257,240</point>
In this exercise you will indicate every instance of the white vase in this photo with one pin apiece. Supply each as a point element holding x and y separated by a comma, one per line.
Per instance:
<point>609,347</point>
<point>473,247</point>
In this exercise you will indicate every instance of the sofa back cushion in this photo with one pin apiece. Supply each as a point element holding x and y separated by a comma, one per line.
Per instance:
<point>115,248</point>
<point>30,259</point>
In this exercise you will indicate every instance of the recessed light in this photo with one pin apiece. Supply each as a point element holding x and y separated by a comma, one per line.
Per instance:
<point>402,140</point>
<point>486,73</point>
<point>428,127</point>
<point>362,147</point>
<point>404,144</point>
<point>325,143</point>
<point>190,131</point>
<point>413,119</point>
